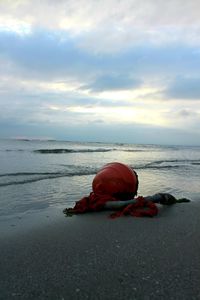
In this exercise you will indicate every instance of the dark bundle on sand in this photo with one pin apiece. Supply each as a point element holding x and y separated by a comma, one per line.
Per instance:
<point>114,187</point>
<point>138,207</point>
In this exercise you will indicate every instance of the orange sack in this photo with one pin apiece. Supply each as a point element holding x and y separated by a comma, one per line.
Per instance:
<point>117,180</point>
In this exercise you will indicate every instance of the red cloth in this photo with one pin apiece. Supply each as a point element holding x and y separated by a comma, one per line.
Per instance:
<point>142,208</point>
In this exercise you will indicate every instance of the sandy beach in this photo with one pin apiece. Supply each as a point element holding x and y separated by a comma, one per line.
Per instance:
<point>93,257</point>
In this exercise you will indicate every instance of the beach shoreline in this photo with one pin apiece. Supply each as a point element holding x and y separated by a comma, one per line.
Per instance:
<point>94,257</point>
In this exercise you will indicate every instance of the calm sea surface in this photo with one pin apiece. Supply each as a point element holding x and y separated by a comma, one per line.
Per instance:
<point>35,175</point>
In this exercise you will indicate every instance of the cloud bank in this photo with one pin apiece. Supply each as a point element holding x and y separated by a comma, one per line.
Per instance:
<point>103,68</point>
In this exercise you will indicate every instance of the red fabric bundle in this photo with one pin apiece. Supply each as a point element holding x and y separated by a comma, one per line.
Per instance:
<point>91,203</point>
<point>142,208</point>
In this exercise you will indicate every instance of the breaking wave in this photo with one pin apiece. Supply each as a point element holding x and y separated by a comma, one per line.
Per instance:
<point>169,164</point>
<point>18,178</point>
<point>75,150</point>
<point>58,151</point>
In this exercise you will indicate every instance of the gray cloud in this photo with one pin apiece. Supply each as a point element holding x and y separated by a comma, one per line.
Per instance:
<point>144,12</point>
<point>94,131</point>
<point>50,55</point>
<point>99,46</point>
<point>186,113</point>
<point>148,17</point>
<point>110,82</point>
<point>43,53</point>
<point>184,88</point>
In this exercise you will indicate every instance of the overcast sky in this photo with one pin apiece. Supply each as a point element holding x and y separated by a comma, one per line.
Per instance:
<point>100,70</point>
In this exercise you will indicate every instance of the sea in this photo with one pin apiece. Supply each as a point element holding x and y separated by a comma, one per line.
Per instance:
<point>36,175</point>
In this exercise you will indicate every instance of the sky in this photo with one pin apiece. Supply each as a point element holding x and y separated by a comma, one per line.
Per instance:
<point>100,70</point>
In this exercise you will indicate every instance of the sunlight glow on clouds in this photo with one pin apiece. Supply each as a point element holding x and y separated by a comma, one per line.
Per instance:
<point>119,115</point>
<point>127,95</point>
<point>100,65</point>
<point>59,86</point>
<point>15,25</point>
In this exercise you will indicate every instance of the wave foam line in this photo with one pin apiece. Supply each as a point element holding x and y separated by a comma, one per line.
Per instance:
<point>28,174</point>
<point>158,162</point>
<point>50,176</point>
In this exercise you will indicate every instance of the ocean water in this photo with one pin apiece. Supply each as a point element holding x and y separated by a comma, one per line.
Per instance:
<point>36,175</point>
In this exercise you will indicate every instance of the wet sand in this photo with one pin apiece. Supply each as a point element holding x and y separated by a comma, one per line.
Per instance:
<point>93,257</point>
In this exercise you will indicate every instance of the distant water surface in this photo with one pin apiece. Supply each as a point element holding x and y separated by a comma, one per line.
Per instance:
<point>35,175</point>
